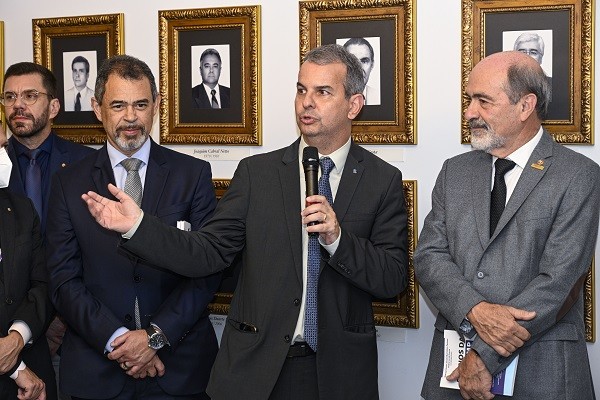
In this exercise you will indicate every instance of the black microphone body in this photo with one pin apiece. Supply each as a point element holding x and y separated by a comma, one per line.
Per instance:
<point>310,162</point>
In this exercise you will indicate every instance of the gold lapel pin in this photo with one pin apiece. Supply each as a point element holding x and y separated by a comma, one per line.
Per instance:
<point>538,165</point>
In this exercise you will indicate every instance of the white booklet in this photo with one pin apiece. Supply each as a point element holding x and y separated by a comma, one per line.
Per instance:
<point>456,348</point>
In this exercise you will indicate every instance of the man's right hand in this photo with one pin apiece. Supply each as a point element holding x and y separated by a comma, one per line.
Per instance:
<point>30,386</point>
<point>118,216</point>
<point>497,325</point>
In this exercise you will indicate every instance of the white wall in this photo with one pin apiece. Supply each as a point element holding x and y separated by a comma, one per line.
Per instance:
<point>402,365</point>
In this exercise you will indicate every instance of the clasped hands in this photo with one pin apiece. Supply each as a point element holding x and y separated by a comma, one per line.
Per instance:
<point>497,325</point>
<point>134,356</point>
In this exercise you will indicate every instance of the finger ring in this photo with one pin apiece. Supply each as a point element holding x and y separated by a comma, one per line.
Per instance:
<point>124,366</point>
<point>324,217</point>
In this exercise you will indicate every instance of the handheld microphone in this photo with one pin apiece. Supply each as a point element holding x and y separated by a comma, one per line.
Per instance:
<point>310,162</point>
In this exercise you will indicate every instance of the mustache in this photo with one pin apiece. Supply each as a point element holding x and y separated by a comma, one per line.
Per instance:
<point>478,124</point>
<point>129,127</point>
<point>20,113</point>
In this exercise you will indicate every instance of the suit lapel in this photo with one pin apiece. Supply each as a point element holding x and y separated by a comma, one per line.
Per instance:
<point>528,180</point>
<point>156,178</point>
<point>16,181</point>
<point>481,184</point>
<point>7,236</point>
<point>289,178</point>
<point>103,174</point>
<point>351,175</point>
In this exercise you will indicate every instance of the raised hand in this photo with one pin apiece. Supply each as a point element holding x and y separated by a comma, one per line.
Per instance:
<point>118,215</point>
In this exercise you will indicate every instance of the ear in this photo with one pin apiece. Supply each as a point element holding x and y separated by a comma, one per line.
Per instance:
<point>97,109</point>
<point>156,104</point>
<point>528,103</point>
<point>356,102</point>
<point>54,107</point>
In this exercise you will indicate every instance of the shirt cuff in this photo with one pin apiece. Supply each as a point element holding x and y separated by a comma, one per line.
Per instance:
<point>331,248</point>
<point>131,232</point>
<point>15,374</point>
<point>23,329</point>
<point>108,348</point>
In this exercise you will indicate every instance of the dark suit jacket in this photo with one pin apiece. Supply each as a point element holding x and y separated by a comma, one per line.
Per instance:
<point>64,153</point>
<point>536,259</point>
<point>94,285</point>
<point>259,215</point>
<point>24,286</point>
<point>201,99</point>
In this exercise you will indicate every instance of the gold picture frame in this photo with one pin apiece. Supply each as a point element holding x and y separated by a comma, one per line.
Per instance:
<point>389,28</point>
<point>2,120</point>
<point>400,311</point>
<point>564,31</point>
<point>589,302</point>
<point>183,36</point>
<point>57,42</point>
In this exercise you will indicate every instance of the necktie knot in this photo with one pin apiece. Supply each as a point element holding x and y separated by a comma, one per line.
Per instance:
<point>213,92</point>
<point>503,166</point>
<point>327,165</point>
<point>32,154</point>
<point>131,164</point>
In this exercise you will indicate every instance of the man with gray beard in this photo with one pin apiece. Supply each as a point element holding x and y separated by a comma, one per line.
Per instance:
<point>506,248</point>
<point>135,331</point>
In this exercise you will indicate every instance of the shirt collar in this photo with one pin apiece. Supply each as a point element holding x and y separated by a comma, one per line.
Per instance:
<point>338,157</point>
<point>46,146</point>
<point>116,156</point>
<point>522,154</point>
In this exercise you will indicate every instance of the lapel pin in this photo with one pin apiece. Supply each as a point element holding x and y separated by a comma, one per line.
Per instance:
<point>9,210</point>
<point>538,165</point>
<point>354,171</point>
<point>63,165</point>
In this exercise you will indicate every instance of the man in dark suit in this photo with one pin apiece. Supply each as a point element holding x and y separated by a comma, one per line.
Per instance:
<point>209,94</point>
<point>506,267</point>
<point>26,312</point>
<point>361,251</point>
<point>152,323</point>
<point>32,106</point>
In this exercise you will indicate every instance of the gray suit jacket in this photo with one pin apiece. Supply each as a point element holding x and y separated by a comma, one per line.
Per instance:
<point>259,216</point>
<point>541,250</point>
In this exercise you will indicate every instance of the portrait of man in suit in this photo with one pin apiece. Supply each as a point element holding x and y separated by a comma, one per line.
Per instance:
<point>210,94</point>
<point>504,252</point>
<point>79,96</point>
<point>301,322</point>
<point>29,117</point>
<point>363,50</point>
<point>25,366</point>
<point>134,330</point>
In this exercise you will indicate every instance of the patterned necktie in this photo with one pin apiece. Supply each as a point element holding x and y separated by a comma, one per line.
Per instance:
<point>33,180</point>
<point>133,183</point>
<point>133,187</point>
<point>78,102</point>
<point>314,262</point>
<point>499,192</point>
<point>214,102</point>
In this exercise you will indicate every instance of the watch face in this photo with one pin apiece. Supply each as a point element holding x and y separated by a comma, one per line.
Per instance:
<point>156,340</point>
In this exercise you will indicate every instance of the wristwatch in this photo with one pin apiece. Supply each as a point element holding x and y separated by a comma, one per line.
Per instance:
<point>466,330</point>
<point>156,338</point>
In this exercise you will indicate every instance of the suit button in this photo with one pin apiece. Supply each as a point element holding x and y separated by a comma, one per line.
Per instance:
<point>128,318</point>
<point>287,338</point>
<point>9,301</point>
<point>137,279</point>
<point>480,275</point>
<point>296,302</point>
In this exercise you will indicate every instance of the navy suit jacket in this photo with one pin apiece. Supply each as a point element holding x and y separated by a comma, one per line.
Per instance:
<point>24,287</point>
<point>94,285</point>
<point>64,153</point>
<point>201,99</point>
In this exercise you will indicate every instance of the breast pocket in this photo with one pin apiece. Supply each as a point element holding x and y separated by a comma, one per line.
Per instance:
<point>173,213</point>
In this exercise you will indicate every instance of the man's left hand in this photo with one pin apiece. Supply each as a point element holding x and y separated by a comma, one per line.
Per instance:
<point>131,351</point>
<point>320,211</point>
<point>10,347</point>
<point>30,386</point>
<point>474,380</point>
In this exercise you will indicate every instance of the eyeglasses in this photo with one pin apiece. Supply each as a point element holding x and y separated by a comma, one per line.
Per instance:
<point>29,97</point>
<point>531,52</point>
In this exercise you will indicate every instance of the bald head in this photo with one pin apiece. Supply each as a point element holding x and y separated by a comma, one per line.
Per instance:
<point>519,75</point>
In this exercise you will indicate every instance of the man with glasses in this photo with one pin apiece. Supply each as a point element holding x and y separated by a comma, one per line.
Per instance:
<point>30,104</point>
<point>531,44</point>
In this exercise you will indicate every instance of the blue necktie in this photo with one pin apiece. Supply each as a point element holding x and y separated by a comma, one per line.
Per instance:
<point>33,180</point>
<point>314,261</point>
